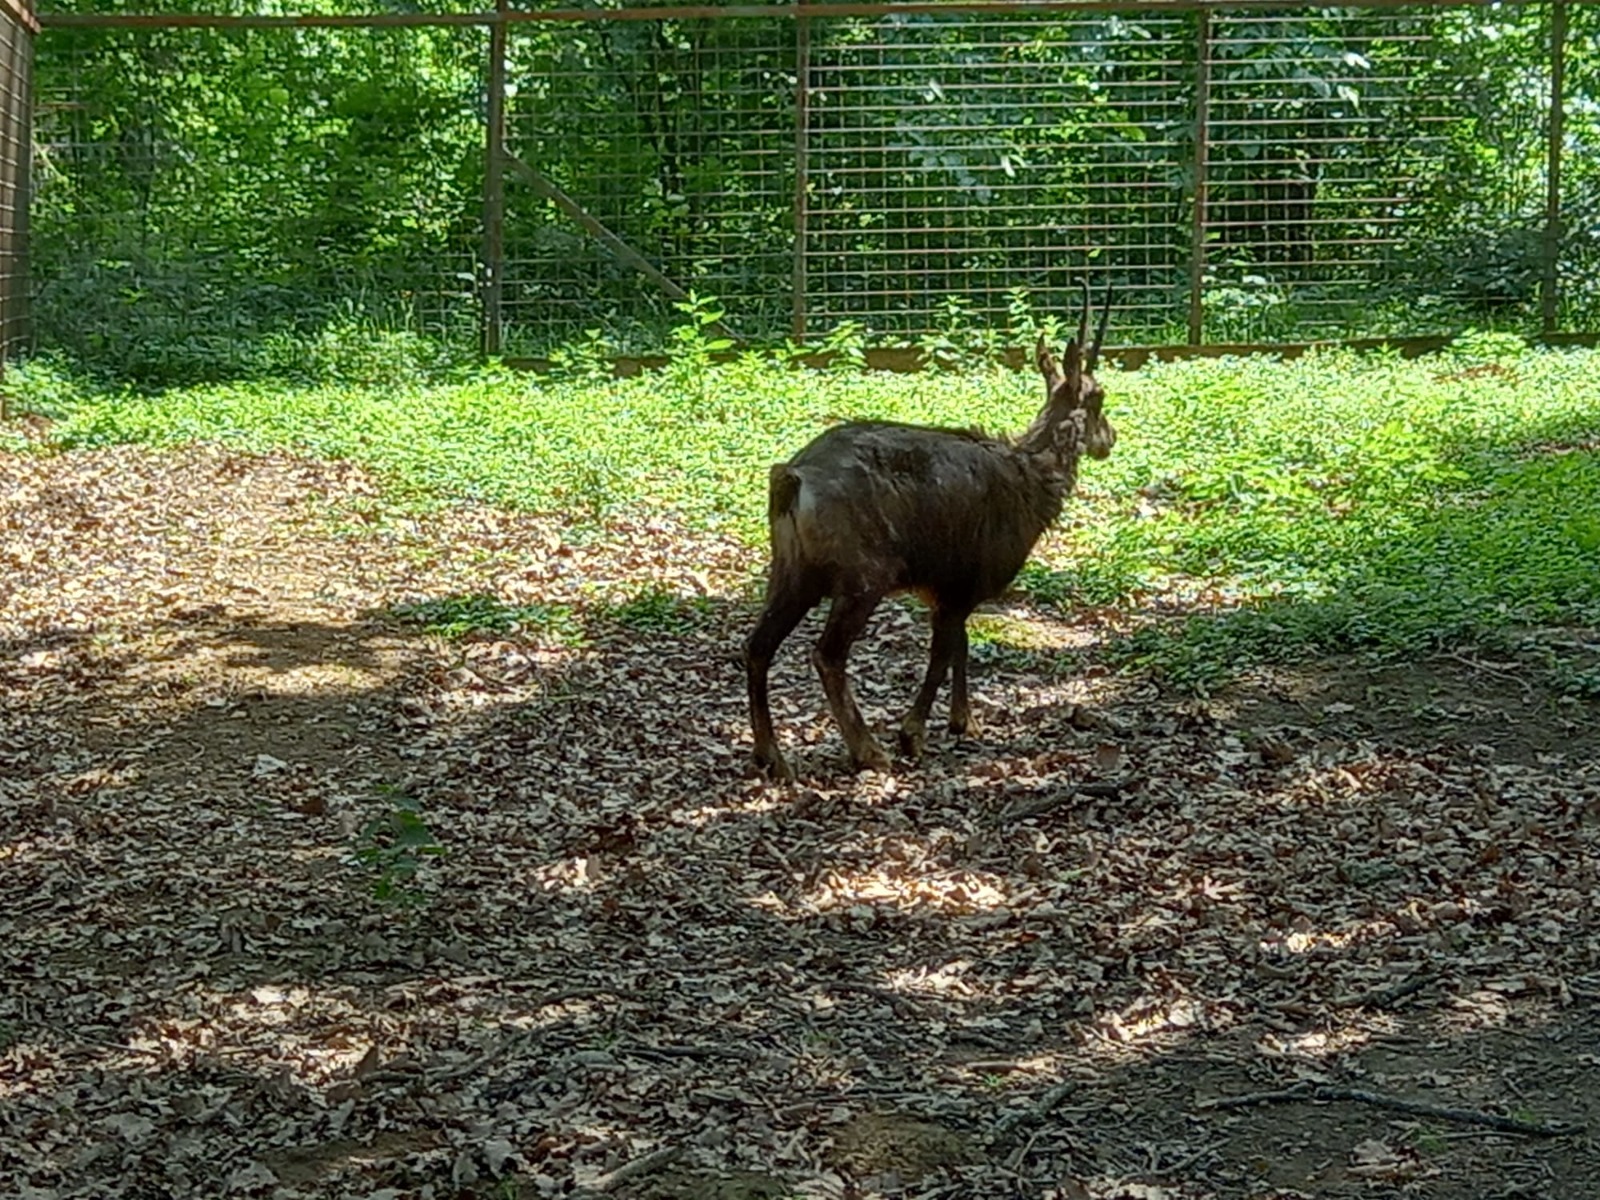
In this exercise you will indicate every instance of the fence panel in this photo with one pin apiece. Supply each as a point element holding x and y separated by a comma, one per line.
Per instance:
<point>206,197</point>
<point>677,138</point>
<point>1372,172</point>
<point>1578,241</point>
<point>1235,174</point>
<point>961,165</point>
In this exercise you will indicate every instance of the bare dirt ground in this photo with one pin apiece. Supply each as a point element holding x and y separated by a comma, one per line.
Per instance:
<point>230,964</point>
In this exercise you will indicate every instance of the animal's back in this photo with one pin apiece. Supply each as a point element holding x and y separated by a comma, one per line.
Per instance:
<point>886,506</point>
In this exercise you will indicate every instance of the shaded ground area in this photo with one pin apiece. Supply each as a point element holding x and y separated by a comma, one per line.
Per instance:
<point>233,965</point>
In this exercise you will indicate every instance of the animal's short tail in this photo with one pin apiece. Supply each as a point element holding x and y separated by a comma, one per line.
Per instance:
<point>783,497</point>
<point>783,489</point>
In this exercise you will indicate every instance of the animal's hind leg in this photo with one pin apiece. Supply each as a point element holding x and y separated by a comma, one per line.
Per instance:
<point>949,634</point>
<point>847,618</point>
<point>961,722</point>
<point>787,603</point>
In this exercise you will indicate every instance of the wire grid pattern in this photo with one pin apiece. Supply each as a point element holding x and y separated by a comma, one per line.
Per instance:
<point>202,194</point>
<point>16,72</point>
<point>1579,240</point>
<point>676,136</point>
<point>956,168</point>
<point>1346,188</point>
<point>959,162</point>
<point>1366,171</point>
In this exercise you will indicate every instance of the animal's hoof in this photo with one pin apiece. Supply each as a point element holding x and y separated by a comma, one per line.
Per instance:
<point>775,767</point>
<point>912,741</point>
<point>964,727</point>
<point>872,757</point>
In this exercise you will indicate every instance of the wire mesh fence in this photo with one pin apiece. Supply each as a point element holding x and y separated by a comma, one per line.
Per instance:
<point>1575,224</point>
<point>208,196</point>
<point>961,163</point>
<point>1235,173</point>
<point>676,136</point>
<point>1345,191</point>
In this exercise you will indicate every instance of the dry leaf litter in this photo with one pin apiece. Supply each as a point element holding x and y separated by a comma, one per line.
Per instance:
<point>1022,967</point>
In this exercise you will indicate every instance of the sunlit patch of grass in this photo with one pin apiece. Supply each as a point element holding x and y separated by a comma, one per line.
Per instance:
<point>1025,641</point>
<point>456,617</point>
<point>656,610</point>
<point>1004,629</point>
<point>1338,501</point>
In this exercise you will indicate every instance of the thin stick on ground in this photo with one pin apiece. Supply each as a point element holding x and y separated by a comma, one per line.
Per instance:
<point>633,1169</point>
<point>1036,806</point>
<point>904,1005</point>
<point>1416,1108</point>
<point>1387,997</point>
<point>1012,1124</point>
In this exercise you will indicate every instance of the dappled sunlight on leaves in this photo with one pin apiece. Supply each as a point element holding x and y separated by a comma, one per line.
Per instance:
<point>856,893</point>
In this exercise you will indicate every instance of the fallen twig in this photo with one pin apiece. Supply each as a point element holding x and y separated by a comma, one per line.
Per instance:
<point>643,1165</point>
<point>1493,669</point>
<point>1183,1164</point>
<point>1013,1123</point>
<point>1386,997</point>
<point>643,1050</point>
<point>904,1004</point>
<point>1417,1108</point>
<point>1106,789</point>
<point>565,995</point>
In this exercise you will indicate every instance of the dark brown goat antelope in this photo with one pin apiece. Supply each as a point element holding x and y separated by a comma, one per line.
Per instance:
<point>870,508</point>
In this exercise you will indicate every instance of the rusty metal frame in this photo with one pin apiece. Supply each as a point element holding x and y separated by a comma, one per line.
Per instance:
<point>493,267</point>
<point>21,13</point>
<point>1550,275</point>
<point>666,12</point>
<point>1202,144</point>
<point>802,180</point>
<point>903,361</point>
<point>16,124</point>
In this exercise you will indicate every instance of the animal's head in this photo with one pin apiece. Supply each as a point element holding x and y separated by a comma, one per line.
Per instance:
<point>1074,402</point>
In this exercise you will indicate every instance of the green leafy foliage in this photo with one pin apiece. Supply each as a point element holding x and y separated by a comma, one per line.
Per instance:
<point>462,616</point>
<point>210,205</point>
<point>392,846</point>
<point>657,611</point>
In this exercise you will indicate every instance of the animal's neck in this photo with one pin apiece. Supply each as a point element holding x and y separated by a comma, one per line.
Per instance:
<point>1053,449</point>
<point>1052,472</point>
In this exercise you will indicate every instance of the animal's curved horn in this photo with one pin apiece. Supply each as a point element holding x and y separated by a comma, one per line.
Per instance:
<point>1100,331</point>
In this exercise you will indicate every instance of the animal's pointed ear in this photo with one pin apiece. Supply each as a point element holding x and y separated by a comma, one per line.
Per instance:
<point>1047,364</point>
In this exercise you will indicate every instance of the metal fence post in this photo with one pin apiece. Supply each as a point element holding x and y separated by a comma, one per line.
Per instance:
<point>1550,283</point>
<point>802,146</point>
<point>494,187</point>
<point>1202,147</point>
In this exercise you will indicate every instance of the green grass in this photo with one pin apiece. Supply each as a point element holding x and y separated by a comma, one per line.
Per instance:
<point>461,616</point>
<point>1336,502</point>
